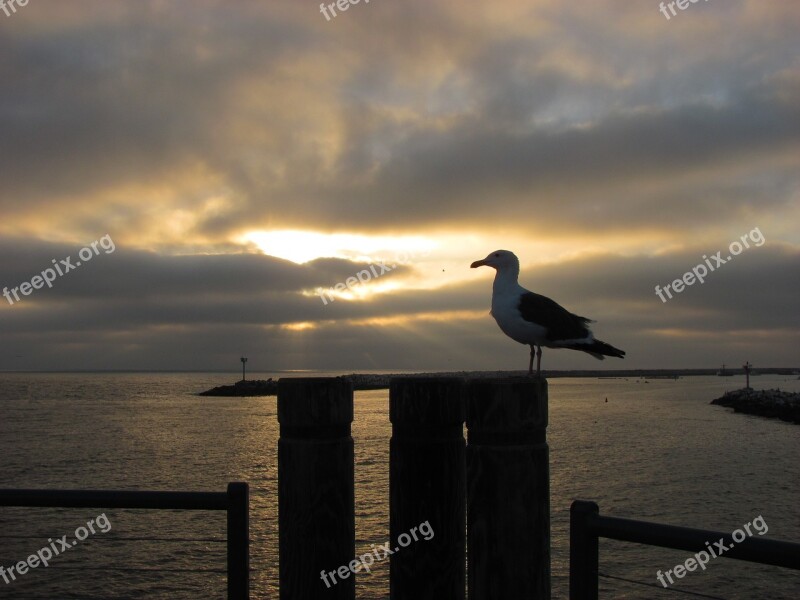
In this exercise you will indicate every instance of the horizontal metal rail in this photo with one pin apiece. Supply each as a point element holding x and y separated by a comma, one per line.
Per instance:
<point>587,526</point>
<point>235,502</point>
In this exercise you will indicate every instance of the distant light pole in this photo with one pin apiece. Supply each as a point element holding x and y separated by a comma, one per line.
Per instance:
<point>746,366</point>
<point>244,360</point>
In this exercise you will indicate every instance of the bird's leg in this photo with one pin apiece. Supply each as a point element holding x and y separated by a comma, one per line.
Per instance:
<point>538,360</point>
<point>530,364</point>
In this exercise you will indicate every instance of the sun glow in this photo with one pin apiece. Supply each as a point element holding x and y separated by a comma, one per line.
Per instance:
<point>303,246</point>
<point>299,326</point>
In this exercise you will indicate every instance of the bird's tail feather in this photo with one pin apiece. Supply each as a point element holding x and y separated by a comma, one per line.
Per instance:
<point>598,349</point>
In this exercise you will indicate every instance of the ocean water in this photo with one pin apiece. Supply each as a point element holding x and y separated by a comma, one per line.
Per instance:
<point>657,450</point>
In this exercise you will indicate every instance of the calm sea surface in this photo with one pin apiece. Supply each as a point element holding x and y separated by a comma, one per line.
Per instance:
<point>656,450</point>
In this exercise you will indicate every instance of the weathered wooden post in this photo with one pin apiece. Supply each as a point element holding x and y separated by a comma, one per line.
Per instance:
<point>238,533</point>
<point>427,486</point>
<point>583,552</point>
<point>508,483</point>
<point>315,489</point>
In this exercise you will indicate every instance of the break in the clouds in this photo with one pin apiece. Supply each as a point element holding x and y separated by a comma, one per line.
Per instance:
<point>610,148</point>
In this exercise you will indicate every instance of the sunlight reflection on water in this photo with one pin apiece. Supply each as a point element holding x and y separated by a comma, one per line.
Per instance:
<point>655,451</point>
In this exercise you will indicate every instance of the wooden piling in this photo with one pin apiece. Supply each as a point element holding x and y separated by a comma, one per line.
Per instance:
<point>508,490</point>
<point>238,534</point>
<point>428,487</point>
<point>315,489</point>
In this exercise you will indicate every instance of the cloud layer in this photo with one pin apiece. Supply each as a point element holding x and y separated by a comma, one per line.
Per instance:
<point>610,148</point>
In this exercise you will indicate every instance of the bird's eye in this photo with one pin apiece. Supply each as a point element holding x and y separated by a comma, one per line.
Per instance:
<point>497,254</point>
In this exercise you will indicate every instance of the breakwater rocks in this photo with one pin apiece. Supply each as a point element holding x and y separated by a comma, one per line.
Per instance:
<point>269,387</point>
<point>252,387</point>
<point>774,404</point>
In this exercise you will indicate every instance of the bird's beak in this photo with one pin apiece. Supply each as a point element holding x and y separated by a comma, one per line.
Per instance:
<point>478,263</point>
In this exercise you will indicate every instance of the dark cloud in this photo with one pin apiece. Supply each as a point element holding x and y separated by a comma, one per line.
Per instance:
<point>119,273</point>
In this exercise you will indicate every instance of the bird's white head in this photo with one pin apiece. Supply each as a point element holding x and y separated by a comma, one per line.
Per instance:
<point>502,260</point>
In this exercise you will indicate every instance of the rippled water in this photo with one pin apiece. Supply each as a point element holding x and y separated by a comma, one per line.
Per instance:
<point>655,451</point>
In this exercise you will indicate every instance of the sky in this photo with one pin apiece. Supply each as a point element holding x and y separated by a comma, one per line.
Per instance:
<point>233,162</point>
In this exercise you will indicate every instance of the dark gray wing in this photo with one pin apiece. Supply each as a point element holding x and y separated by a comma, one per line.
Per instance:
<point>560,323</point>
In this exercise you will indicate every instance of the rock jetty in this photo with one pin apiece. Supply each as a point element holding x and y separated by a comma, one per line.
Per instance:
<point>774,404</point>
<point>251,387</point>
<point>269,387</point>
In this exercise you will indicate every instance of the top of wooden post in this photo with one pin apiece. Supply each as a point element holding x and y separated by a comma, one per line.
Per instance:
<point>426,401</point>
<point>498,406</point>
<point>317,403</point>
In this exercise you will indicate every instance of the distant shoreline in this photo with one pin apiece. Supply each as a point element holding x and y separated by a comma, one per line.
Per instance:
<point>616,373</point>
<point>379,381</point>
<point>555,373</point>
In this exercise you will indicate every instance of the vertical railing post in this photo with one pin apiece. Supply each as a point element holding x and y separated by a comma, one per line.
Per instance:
<point>316,508</point>
<point>238,541</point>
<point>508,483</point>
<point>583,552</point>
<point>427,486</point>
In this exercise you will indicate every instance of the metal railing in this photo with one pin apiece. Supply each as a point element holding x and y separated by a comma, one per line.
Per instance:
<point>587,526</point>
<point>235,502</point>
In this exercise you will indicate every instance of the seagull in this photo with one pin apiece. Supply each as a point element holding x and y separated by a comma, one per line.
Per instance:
<point>536,320</point>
